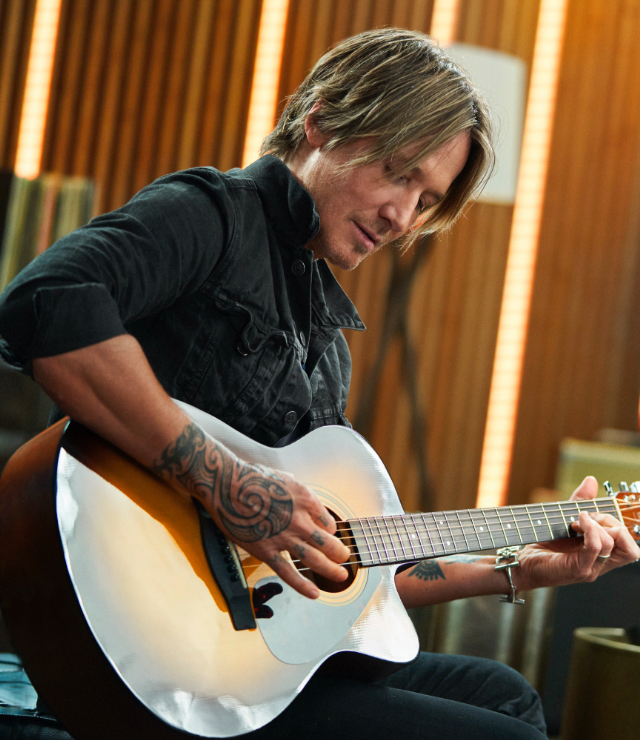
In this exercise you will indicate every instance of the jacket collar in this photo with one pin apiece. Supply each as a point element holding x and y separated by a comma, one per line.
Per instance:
<point>290,210</point>
<point>292,215</point>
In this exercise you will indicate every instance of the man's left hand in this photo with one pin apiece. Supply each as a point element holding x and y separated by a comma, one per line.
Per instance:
<point>606,544</point>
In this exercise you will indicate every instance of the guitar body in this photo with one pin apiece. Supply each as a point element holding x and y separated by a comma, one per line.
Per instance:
<point>111,603</point>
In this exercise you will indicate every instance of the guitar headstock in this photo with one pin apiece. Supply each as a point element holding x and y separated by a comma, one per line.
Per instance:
<point>628,498</point>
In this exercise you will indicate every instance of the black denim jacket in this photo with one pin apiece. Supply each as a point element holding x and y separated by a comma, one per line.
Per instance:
<point>209,271</point>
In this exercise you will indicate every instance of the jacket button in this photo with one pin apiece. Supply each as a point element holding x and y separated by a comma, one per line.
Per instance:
<point>290,417</point>
<point>298,268</point>
<point>303,339</point>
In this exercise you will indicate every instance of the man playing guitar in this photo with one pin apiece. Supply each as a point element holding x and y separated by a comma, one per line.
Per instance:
<point>213,288</point>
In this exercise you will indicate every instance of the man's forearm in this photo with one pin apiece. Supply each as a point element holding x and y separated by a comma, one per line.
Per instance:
<point>110,388</point>
<point>446,579</point>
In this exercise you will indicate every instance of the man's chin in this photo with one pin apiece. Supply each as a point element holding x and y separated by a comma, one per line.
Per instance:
<point>348,259</point>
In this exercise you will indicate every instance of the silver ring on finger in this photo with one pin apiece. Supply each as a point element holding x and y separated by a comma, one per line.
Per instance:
<point>603,558</point>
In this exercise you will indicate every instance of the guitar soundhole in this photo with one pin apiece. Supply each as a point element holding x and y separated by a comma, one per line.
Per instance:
<point>324,584</point>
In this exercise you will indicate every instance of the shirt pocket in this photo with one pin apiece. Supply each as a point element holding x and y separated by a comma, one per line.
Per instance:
<point>235,366</point>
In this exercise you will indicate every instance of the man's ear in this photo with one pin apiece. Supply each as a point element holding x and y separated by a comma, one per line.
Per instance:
<point>314,136</point>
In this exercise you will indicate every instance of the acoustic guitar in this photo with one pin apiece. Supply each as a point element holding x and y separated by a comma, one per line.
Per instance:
<point>136,619</point>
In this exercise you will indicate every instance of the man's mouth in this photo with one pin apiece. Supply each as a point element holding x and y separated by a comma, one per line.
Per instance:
<point>369,235</point>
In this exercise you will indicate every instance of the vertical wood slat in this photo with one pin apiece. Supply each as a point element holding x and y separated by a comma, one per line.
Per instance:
<point>16,25</point>
<point>144,88</point>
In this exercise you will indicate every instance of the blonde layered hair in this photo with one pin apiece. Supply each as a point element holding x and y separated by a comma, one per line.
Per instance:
<point>395,87</point>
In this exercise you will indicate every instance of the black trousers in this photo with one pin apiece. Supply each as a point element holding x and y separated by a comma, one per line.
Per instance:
<point>438,697</point>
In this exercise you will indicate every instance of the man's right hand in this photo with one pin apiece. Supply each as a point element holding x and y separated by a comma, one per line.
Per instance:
<point>265,511</point>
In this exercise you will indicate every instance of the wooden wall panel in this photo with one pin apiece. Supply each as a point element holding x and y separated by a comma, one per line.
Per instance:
<point>142,88</point>
<point>582,369</point>
<point>16,25</point>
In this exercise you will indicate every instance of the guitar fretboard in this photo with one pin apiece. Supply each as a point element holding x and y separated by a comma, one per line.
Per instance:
<point>386,540</point>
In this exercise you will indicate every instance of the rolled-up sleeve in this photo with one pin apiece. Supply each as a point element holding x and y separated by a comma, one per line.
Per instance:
<point>122,266</point>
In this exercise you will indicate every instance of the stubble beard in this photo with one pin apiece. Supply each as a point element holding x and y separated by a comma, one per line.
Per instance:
<point>335,255</point>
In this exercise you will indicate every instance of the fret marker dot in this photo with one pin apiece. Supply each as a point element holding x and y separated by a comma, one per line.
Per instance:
<point>573,519</point>
<point>448,543</point>
<point>482,529</point>
<point>441,522</point>
<point>539,522</point>
<point>508,526</point>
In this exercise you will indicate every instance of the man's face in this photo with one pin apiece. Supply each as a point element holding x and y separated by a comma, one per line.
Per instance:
<point>362,208</point>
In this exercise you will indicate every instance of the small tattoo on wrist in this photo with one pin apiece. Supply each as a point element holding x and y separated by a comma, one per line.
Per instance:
<point>428,570</point>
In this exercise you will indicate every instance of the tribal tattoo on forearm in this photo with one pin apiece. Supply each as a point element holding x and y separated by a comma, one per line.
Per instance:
<point>251,504</point>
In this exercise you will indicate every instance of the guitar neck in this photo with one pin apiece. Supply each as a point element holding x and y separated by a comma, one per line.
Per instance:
<point>386,540</point>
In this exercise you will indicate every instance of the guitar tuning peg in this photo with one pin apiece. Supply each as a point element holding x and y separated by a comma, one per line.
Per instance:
<point>608,489</point>
<point>635,486</point>
<point>623,486</point>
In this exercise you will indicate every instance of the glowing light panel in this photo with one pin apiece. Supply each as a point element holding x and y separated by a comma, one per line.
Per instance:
<point>266,76</point>
<point>37,88</point>
<point>444,21</point>
<point>497,450</point>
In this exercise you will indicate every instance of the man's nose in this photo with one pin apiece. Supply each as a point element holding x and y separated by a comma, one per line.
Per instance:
<point>400,213</point>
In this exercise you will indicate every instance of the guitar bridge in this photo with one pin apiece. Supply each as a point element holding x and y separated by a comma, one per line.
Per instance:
<point>226,569</point>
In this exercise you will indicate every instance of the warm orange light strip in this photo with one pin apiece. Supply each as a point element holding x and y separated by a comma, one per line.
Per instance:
<point>266,77</point>
<point>504,396</point>
<point>37,88</point>
<point>444,21</point>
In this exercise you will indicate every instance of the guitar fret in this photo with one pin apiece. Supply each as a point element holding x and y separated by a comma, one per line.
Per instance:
<point>544,511</point>
<point>398,535</point>
<point>511,530</point>
<point>437,522</point>
<point>525,526</point>
<point>450,542</point>
<point>391,543</point>
<point>533,526</point>
<point>436,529</point>
<point>515,521</point>
<point>538,524</point>
<point>559,528</point>
<point>466,542</point>
<point>493,542</point>
<point>412,536</point>
<point>422,553</point>
<point>472,533</point>
<point>485,541</point>
<point>373,537</point>
<point>426,529</point>
<point>504,531</point>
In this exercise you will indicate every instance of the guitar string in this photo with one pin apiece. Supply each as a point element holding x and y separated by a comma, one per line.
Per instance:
<point>401,553</point>
<point>420,526</point>
<point>418,520</point>
<point>393,539</point>
<point>606,506</point>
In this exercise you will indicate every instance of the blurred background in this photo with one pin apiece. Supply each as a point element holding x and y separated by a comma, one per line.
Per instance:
<point>501,360</point>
